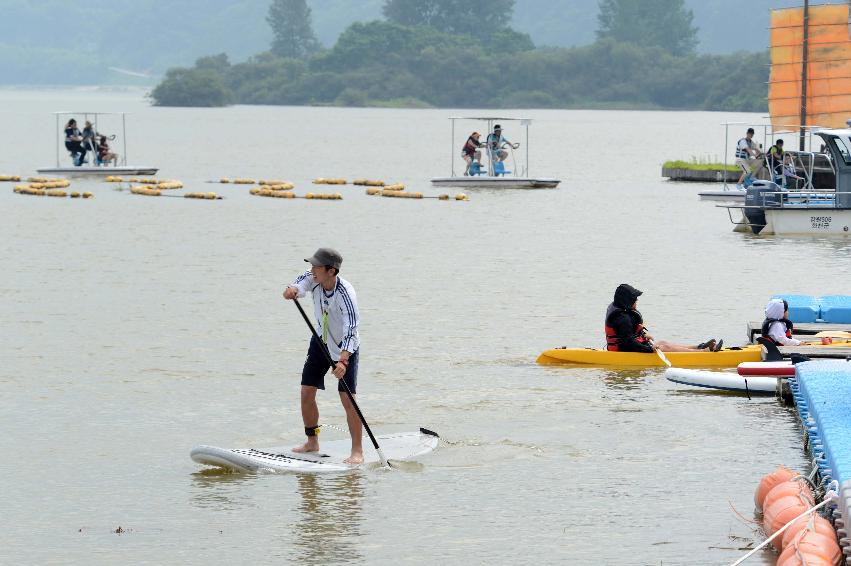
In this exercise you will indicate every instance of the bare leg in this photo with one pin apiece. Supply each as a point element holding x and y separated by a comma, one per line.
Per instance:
<point>355,429</point>
<point>672,347</point>
<point>310,416</point>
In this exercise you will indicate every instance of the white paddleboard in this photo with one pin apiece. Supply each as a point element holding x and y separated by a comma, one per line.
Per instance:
<point>722,380</point>
<point>399,446</point>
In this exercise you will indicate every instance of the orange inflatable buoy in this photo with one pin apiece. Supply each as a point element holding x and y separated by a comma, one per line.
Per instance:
<point>786,488</point>
<point>781,511</point>
<point>794,489</point>
<point>813,522</point>
<point>811,549</point>
<point>779,475</point>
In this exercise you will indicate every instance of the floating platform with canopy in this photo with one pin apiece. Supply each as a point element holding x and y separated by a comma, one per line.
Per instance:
<point>93,168</point>
<point>494,173</point>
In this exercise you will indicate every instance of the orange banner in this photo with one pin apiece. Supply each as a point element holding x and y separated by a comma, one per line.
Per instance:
<point>828,68</point>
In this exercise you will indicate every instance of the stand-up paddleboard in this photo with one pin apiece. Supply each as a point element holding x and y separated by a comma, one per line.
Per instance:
<point>775,369</point>
<point>722,380</point>
<point>399,446</point>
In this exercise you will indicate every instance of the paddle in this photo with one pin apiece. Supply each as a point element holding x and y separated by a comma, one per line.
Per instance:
<point>330,360</point>
<point>661,355</point>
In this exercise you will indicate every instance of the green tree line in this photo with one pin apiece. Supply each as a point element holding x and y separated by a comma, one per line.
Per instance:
<point>431,53</point>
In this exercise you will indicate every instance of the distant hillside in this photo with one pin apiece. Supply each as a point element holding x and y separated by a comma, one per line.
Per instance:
<point>725,26</point>
<point>76,42</point>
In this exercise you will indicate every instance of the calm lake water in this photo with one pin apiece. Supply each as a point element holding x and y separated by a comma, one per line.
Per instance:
<point>135,328</point>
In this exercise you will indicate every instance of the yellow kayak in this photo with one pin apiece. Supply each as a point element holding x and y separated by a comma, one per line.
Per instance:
<point>591,357</point>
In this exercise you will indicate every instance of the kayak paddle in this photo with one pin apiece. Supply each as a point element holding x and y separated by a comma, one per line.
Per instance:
<point>661,355</point>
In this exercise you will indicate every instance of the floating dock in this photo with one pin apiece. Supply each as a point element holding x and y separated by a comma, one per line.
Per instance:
<point>834,352</point>
<point>806,329</point>
<point>822,394</point>
<point>813,314</point>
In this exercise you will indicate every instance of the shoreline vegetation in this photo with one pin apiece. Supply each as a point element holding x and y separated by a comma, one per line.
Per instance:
<point>695,166</point>
<point>407,61</point>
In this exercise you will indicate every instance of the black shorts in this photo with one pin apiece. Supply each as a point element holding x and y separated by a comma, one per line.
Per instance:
<point>316,366</point>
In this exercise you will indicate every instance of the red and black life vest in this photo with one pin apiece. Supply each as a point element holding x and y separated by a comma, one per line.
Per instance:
<point>470,146</point>
<point>613,340</point>
<point>766,326</point>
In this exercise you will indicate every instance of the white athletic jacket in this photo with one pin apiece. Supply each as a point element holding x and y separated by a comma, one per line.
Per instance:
<point>339,307</point>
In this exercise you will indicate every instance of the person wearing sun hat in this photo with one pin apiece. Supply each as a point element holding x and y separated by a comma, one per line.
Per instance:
<point>336,308</point>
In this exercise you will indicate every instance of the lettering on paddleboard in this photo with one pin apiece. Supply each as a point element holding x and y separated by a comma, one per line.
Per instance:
<point>821,222</point>
<point>279,457</point>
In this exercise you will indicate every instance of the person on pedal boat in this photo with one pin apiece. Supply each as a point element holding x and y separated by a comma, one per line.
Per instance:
<point>73,142</point>
<point>105,154</point>
<point>777,327</point>
<point>471,151</point>
<point>495,142</point>
<point>625,330</point>
<point>89,137</point>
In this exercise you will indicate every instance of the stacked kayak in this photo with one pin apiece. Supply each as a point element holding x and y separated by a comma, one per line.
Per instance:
<point>750,376</point>
<point>773,369</point>
<point>592,357</point>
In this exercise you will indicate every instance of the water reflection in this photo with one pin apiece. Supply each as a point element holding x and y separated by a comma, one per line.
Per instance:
<point>218,488</point>
<point>625,379</point>
<point>331,516</point>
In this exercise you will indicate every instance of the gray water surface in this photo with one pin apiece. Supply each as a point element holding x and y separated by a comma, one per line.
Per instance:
<point>134,328</point>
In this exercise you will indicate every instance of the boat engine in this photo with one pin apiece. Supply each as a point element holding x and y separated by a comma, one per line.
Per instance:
<point>759,196</point>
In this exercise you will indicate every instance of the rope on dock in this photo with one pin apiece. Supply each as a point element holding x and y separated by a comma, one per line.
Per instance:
<point>829,496</point>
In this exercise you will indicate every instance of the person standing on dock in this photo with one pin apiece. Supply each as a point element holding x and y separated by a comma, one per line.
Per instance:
<point>748,157</point>
<point>777,327</point>
<point>336,309</point>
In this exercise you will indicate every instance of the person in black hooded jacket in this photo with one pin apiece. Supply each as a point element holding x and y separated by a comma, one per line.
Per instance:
<point>625,331</point>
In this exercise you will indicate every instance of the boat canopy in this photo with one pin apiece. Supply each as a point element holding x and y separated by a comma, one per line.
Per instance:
<point>494,118</point>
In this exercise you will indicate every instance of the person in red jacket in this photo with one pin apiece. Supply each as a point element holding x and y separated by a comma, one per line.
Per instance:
<point>471,152</point>
<point>625,330</point>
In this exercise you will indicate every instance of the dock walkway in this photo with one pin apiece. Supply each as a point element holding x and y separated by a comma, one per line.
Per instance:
<point>808,329</point>
<point>822,393</point>
<point>834,352</point>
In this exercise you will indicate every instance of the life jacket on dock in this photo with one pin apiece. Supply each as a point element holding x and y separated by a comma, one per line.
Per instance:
<point>613,340</point>
<point>766,326</point>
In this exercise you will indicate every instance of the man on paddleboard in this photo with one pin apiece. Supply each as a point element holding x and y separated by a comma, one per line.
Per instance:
<point>336,309</point>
